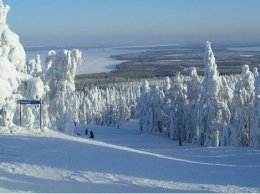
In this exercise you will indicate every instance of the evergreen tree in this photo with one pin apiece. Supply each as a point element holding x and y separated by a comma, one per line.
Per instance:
<point>143,106</point>
<point>255,133</point>
<point>179,104</point>
<point>60,79</point>
<point>209,104</point>
<point>242,118</point>
<point>193,96</point>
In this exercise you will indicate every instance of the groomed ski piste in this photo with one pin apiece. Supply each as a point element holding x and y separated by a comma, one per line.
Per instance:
<point>120,160</point>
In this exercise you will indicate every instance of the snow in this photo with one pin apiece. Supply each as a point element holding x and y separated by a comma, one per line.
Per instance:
<point>242,55</point>
<point>120,160</point>
<point>98,61</point>
<point>177,60</point>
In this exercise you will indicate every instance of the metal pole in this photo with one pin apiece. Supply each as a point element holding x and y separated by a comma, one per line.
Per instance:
<point>20,114</point>
<point>41,115</point>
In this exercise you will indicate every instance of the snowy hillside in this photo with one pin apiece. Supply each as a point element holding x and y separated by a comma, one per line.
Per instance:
<point>121,160</point>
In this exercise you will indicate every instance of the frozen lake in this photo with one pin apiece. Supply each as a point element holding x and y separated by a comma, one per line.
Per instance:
<point>255,48</point>
<point>94,60</point>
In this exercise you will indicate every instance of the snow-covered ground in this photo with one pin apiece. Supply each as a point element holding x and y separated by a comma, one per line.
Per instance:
<point>120,160</point>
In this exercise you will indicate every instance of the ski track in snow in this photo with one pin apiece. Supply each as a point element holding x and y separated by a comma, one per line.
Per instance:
<point>121,160</point>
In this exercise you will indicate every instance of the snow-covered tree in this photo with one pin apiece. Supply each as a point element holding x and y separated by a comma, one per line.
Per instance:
<point>60,80</point>
<point>12,67</point>
<point>255,72</point>
<point>178,108</point>
<point>165,119</point>
<point>34,67</point>
<point>226,97</point>
<point>255,132</point>
<point>210,113</point>
<point>243,106</point>
<point>156,109</point>
<point>143,106</point>
<point>193,97</point>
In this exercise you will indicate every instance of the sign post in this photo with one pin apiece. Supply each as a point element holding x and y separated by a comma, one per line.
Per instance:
<point>31,102</point>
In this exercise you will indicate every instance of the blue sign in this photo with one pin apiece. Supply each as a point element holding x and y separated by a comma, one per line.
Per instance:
<point>30,102</point>
<point>34,102</point>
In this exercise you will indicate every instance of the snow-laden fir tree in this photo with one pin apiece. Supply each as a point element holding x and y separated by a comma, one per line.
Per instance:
<point>243,106</point>
<point>12,58</point>
<point>166,109</point>
<point>34,67</point>
<point>178,108</point>
<point>228,133</point>
<point>143,106</point>
<point>209,104</point>
<point>13,80</point>
<point>255,132</point>
<point>156,109</point>
<point>123,110</point>
<point>193,97</point>
<point>255,72</point>
<point>60,80</point>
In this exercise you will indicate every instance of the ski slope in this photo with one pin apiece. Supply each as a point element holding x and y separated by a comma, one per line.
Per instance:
<point>120,160</point>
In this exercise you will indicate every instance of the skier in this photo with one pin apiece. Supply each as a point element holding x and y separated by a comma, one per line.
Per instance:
<point>91,135</point>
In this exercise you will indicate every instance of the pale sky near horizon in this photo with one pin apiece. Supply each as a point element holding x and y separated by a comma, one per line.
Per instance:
<point>134,22</point>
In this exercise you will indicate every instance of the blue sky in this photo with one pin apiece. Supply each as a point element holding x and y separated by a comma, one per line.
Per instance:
<point>134,22</point>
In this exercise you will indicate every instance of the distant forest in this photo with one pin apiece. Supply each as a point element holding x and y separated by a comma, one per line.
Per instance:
<point>167,62</point>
